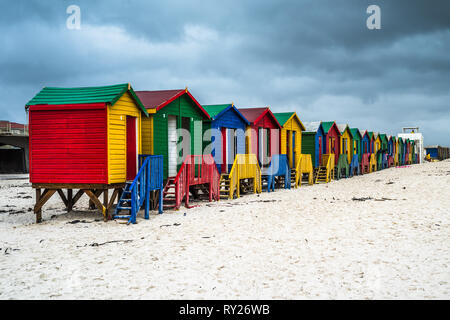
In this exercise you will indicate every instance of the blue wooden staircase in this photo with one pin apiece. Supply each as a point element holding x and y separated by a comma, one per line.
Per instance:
<point>278,167</point>
<point>385,161</point>
<point>354,166</point>
<point>137,192</point>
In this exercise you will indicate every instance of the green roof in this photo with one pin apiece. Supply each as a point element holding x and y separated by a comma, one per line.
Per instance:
<point>383,137</point>
<point>105,94</point>
<point>214,109</point>
<point>282,117</point>
<point>370,134</point>
<point>326,125</point>
<point>355,132</point>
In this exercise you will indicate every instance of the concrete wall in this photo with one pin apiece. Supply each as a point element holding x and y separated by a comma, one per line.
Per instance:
<point>21,142</point>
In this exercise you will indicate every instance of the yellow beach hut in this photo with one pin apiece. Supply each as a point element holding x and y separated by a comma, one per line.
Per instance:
<point>291,145</point>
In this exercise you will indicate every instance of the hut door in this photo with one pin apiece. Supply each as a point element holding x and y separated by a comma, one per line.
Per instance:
<point>224,132</point>
<point>231,141</point>
<point>320,151</point>
<point>261,145</point>
<point>268,146</point>
<point>288,145</point>
<point>330,146</point>
<point>344,146</point>
<point>172,145</point>
<point>131,148</point>
<point>293,159</point>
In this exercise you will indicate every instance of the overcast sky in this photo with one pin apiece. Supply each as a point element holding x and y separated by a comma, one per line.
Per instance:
<point>315,57</point>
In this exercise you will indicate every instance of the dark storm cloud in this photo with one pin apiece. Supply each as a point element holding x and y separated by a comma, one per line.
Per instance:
<point>314,57</point>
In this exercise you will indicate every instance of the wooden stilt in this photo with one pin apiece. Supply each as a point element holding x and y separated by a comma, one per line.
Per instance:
<point>69,200</point>
<point>77,197</point>
<point>39,212</point>
<point>97,202</point>
<point>45,191</point>
<point>105,204</point>
<point>113,197</point>
<point>91,203</point>
<point>97,193</point>
<point>43,199</point>
<point>63,197</point>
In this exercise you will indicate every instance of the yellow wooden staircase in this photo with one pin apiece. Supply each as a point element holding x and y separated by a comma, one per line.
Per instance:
<point>372,163</point>
<point>245,170</point>
<point>224,186</point>
<point>303,171</point>
<point>326,172</point>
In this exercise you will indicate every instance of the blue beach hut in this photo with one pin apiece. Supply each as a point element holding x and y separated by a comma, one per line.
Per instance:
<point>224,134</point>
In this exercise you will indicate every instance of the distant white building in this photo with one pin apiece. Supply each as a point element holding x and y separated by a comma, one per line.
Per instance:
<point>412,133</point>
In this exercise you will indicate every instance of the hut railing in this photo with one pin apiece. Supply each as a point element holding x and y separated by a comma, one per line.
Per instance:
<point>149,177</point>
<point>214,186</point>
<point>365,163</point>
<point>181,186</point>
<point>234,178</point>
<point>372,163</point>
<point>196,169</point>
<point>298,171</point>
<point>202,169</point>
<point>279,166</point>
<point>329,163</point>
<point>390,161</point>
<point>354,166</point>
<point>341,165</point>
<point>245,166</point>
<point>304,165</point>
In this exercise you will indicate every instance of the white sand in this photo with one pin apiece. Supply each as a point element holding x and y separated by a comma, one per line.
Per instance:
<point>313,242</point>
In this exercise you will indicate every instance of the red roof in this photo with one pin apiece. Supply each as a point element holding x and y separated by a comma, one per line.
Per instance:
<point>254,114</point>
<point>157,99</point>
<point>251,114</point>
<point>160,98</point>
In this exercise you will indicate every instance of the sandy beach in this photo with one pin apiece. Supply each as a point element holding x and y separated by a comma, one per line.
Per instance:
<point>384,235</point>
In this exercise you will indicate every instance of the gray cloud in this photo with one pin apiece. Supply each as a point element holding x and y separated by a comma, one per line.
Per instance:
<point>314,57</point>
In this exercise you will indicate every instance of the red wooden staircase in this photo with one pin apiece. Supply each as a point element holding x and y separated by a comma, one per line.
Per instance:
<point>169,199</point>
<point>365,163</point>
<point>196,173</point>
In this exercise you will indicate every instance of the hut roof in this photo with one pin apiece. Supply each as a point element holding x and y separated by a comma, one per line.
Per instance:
<point>283,117</point>
<point>342,127</point>
<point>254,114</point>
<point>158,99</point>
<point>356,132</point>
<point>83,95</point>
<point>312,126</point>
<point>216,110</point>
<point>327,125</point>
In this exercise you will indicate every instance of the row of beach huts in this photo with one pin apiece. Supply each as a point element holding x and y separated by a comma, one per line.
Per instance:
<point>155,150</point>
